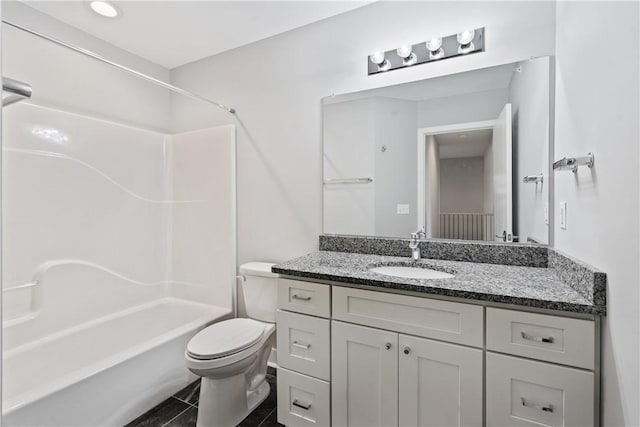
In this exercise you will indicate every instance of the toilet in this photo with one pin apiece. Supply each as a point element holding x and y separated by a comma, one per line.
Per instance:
<point>231,356</point>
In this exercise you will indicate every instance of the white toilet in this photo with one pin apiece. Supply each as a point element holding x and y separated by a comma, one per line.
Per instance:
<point>231,356</point>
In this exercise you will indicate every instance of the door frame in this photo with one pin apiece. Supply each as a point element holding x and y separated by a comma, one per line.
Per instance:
<point>424,214</point>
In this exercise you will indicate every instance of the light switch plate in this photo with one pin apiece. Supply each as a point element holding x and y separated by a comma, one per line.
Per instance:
<point>563,215</point>
<point>546,214</point>
<point>402,209</point>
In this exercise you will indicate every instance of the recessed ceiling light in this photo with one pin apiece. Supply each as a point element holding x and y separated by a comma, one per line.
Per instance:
<point>104,8</point>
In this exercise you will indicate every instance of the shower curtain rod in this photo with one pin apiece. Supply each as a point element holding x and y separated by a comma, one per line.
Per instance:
<point>119,66</point>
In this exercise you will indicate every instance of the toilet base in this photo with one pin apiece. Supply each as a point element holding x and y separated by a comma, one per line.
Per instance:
<point>229,408</point>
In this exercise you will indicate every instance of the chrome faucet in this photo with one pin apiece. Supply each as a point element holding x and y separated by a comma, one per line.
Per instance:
<point>414,244</point>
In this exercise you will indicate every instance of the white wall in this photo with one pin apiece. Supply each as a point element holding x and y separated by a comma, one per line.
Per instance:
<point>277,84</point>
<point>64,79</point>
<point>462,185</point>
<point>349,136</point>
<point>19,13</point>
<point>470,107</point>
<point>529,97</point>
<point>396,167</point>
<point>597,110</point>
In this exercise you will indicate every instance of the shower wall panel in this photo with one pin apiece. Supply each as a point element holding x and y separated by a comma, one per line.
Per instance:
<point>84,202</point>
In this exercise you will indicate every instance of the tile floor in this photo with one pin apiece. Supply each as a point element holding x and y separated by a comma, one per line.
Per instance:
<point>181,409</point>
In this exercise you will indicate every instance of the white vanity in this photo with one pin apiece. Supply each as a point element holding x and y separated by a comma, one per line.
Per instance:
<point>353,355</point>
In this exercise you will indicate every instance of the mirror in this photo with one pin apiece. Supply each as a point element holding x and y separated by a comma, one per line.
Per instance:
<point>463,156</point>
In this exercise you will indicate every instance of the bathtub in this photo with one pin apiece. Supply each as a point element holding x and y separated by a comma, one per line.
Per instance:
<point>104,372</point>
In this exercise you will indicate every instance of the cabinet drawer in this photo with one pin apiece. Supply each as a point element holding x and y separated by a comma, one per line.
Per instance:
<point>304,297</point>
<point>539,336</point>
<point>303,344</point>
<point>302,400</point>
<point>527,393</point>
<point>443,320</point>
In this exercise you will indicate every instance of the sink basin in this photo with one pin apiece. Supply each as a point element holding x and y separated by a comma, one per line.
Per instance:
<point>410,272</point>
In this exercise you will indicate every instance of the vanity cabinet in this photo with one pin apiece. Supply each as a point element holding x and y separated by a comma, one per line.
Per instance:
<point>355,357</point>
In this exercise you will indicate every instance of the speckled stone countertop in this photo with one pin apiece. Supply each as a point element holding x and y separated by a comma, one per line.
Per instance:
<point>525,286</point>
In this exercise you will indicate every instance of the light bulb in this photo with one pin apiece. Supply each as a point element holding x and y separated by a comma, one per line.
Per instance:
<point>405,51</point>
<point>434,44</point>
<point>104,8</point>
<point>377,58</point>
<point>466,37</point>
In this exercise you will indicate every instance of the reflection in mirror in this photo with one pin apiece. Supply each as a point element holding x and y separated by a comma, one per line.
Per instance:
<point>463,156</point>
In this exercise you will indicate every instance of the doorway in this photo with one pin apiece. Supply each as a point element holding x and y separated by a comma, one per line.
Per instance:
<point>465,180</point>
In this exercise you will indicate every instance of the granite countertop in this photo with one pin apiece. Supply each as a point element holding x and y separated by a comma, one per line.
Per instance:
<point>525,286</point>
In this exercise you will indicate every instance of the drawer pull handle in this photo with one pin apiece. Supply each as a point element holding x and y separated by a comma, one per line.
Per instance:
<point>526,336</point>
<point>301,405</point>
<point>407,350</point>
<point>388,346</point>
<point>544,408</point>
<point>302,346</point>
<point>296,296</point>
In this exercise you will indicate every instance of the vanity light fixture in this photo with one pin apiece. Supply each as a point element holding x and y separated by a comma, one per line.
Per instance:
<point>104,8</point>
<point>379,60</point>
<point>434,49</point>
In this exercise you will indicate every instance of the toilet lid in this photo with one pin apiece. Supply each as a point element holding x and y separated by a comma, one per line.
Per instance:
<point>225,338</point>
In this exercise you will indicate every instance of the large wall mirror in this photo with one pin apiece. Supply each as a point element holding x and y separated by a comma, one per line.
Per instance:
<point>463,156</point>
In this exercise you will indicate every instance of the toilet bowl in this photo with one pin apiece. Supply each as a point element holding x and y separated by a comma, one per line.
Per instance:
<point>231,356</point>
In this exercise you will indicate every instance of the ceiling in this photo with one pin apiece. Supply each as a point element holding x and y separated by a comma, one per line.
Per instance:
<point>174,33</point>
<point>473,144</point>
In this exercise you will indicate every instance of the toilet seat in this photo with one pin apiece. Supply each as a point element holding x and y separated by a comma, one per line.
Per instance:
<point>225,338</point>
<point>219,362</point>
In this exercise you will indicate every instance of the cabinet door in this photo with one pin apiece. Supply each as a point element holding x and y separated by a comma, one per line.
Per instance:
<point>364,377</point>
<point>440,384</point>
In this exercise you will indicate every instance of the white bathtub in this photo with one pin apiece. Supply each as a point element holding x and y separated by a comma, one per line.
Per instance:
<point>104,372</point>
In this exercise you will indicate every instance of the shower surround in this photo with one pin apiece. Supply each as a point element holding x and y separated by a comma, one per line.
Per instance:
<point>118,245</point>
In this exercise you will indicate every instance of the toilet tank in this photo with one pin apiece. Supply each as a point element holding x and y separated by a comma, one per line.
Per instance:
<point>260,288</point>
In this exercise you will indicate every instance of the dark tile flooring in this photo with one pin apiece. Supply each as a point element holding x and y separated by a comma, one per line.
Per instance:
<point>181,409</point>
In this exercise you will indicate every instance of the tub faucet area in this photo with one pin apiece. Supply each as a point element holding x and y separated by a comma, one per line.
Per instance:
<point>414,244</point>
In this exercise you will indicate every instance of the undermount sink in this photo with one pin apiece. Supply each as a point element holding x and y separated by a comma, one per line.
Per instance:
<point>410,272</point>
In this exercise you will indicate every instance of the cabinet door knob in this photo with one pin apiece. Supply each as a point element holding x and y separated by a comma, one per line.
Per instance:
<point>407,350</point>
<point>388,346</point>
